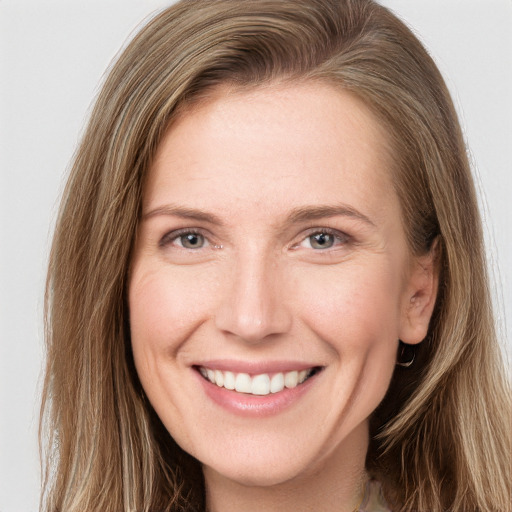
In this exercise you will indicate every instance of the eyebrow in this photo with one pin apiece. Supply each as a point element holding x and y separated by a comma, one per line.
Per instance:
<point>184,213</point>
<point>309,213</point>
<point>297,216</point>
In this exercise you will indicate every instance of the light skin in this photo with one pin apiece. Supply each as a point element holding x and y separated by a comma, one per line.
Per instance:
<point>272,235</point>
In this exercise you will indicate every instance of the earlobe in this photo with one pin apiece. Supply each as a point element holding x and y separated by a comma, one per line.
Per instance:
<point>420,297</point>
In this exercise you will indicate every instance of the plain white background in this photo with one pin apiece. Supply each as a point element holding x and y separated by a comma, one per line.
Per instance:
<point>52,58</point>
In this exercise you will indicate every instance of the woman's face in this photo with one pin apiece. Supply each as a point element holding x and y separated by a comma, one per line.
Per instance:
<point>271,257</point>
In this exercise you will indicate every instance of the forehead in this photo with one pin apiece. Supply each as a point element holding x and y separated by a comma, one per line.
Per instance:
<point>301,143</point>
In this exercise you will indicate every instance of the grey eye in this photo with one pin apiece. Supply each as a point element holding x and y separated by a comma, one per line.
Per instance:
<point>321,240</point>
<point>191,240</point>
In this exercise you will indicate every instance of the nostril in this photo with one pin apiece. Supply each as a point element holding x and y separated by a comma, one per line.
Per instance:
<point>253,328</point>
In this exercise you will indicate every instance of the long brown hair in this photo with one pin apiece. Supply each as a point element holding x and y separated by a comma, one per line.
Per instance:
<point>441,437</point>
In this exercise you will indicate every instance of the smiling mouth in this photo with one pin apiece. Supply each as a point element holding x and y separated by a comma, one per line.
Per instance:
<point>259,385</point>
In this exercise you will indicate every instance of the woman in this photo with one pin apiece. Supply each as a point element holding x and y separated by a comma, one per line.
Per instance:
<point>267,286</point>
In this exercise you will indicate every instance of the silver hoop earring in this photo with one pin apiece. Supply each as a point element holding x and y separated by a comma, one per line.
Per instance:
<point>406,355</point>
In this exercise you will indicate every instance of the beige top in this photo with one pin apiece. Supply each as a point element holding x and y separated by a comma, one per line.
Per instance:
<point>373,500</point>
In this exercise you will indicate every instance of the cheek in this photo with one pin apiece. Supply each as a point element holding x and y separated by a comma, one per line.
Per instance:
<point>165,308</point>
<point>354,310</point>
<point>355,307</point>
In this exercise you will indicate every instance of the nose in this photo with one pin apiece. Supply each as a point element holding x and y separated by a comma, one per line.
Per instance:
<point>252,306</point>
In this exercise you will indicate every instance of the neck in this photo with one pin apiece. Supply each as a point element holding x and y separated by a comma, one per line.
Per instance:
<point>334,484</point>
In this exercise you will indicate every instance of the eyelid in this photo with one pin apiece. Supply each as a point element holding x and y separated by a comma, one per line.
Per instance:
<point>336,233</point>
<point>171,236</point>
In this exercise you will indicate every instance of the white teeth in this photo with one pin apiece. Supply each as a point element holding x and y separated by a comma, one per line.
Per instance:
<point>229,380</point>
<point>260,385</point>
<point>277,383</point>
<point>291,379</point>
<point>219,378</point>
<point>243,383</point>
<point>303,375</point>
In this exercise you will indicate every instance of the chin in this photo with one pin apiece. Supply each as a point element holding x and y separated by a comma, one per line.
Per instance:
<point>261,471</point>
<point>268,459</point>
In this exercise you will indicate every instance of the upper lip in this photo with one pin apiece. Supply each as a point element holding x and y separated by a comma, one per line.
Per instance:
<point>255,367</point>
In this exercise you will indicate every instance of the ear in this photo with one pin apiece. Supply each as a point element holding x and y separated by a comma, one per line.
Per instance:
<point>420,296</point>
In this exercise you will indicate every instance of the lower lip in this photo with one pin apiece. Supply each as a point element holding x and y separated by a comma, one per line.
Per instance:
<point>244,404</point>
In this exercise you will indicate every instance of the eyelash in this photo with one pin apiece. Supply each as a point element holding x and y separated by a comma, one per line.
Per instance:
<point>340,238</point>
<point>171,237</point>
